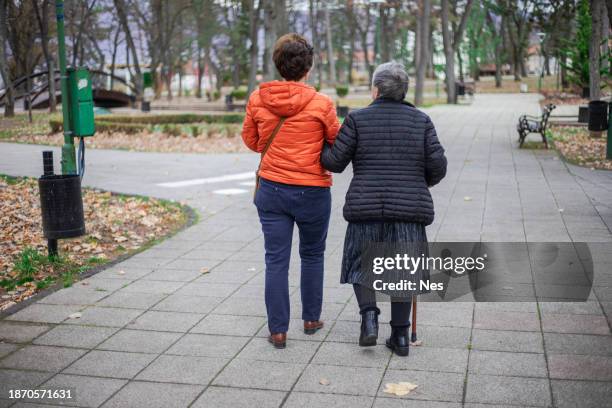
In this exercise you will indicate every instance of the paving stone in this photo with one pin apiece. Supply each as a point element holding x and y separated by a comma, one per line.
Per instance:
<point>221,290</point>
<point>296,351</point>
<point>113,364</point>
<point>310,400</point>
<point>229,325</point>
<point>87,391</point>
<point>45,313</point>
<point>511,364</point>
<point>42,358</point>
<point>215,397</point>
<point>575,367</point>
<point>103,284</point>
<point>75,295</point>
<point>431,385</point>
<point>353,381</point>
<point>154,395</point>
<point>492,320</point>
<point>165,321</point>
<point>352,355</point>
<point>508,390</point>
<point>139,341</point>
<point>124,272</point>
<point>75,336</point>
<point>432,359</point>
<point>583,394</point>
<point>131,300</point>
<point>405,403</point>
<point>242,307</point>
<point>158,287</point>
<point>583,324</point>
<point>7,348</point>
<point>578,308</point>
<point>173,275</point>
<point>20,333</point>
<point>243,373</point>
<point>105,316</point>
<point>558,343</point>
<point>187,304</point>
<point>182,369</point>
<point>18,379</point>
<point>502,340</point>
<point>204,345</point>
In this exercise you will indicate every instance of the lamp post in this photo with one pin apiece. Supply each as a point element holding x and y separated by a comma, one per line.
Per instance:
<point>68,156</point>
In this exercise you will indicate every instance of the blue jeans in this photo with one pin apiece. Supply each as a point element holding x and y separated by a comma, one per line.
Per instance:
<point>280,207</point>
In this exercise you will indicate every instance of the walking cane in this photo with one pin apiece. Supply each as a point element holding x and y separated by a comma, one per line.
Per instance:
<point>413,337</point>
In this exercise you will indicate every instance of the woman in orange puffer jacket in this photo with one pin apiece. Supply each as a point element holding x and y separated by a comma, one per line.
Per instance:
<point>288,122</point>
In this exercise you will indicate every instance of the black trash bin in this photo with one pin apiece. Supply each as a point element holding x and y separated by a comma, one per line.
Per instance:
<point>460,89</point>
<point>61,205</point>
<point>598,116</point>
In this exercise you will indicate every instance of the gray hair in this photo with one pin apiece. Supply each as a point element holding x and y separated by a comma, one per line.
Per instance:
<point>391,80</point>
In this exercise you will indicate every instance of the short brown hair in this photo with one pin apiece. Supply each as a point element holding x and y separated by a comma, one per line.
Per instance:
<point>292,56</point>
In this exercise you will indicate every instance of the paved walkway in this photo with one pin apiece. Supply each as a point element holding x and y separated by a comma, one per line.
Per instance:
<point>161,333</point>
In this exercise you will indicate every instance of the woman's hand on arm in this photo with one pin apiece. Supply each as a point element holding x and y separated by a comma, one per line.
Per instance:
<point>435,160</point>
<point>336,157</point>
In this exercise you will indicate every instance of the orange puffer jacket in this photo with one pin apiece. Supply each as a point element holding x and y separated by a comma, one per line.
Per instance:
<point>294,156</point>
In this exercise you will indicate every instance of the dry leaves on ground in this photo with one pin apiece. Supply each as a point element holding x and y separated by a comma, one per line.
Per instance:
<point>115,225</point>
<point>577,146</point>
<point>400,389</point>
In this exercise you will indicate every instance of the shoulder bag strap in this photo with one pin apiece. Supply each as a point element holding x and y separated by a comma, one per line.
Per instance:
<point>270,140</point>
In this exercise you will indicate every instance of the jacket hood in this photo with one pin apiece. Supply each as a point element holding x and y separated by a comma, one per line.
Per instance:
<point>285,98</point>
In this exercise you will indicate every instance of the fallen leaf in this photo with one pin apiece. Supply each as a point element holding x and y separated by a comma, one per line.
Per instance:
<point>76,315</point>
<point>467,198</point>
<point>400,389</point>
<point>324,381</point>
<point>121,272</point>
<point>204,270</point>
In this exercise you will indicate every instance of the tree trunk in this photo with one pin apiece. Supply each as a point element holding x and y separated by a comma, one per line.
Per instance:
<point>331,62</point>
<point>424,13</point>
<point>313,11</point>
<point>605,32</point>
<point>498,49</point>
<point>43,24</point>
<point>254,50</point>
<point>122,14</point>
<point>114,58</point>
<point>350,17</point>
<point>270,39</point>
<point>449,54</point>
<point>594,50</point>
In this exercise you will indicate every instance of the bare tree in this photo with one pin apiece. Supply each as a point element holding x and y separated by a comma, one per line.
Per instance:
<point>314,29</point>
<point>350,18</point>
<point>275,24</point>
<point>42,16</point>
<point>9,101</point>
<point>364,31</point>
<point>424,14</point>
<point>331,62</point>
<point>496,32</point>
<point>254,49</point>
<point>451,38</point>
<point>122,14</point>
<point>594,49</point>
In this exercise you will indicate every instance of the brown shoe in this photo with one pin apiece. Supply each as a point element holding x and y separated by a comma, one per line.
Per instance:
<point>311,327</point>
<point>278,340</point>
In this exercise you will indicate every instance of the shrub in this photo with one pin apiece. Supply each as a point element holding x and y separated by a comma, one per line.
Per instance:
<point>342,90</point>
<point>239,93</point>
<point>216,95</point>
<point>57,125</point>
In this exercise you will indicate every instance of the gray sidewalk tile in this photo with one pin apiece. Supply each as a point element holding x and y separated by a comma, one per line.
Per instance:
<point>18,379</point>
<point>125,272</point>
<point>41,358</point>
<point>75,336</point>
<point>263,375</point>
<point>19,332</point>
<point>493,320</point>
<point>215,397</point>
<point>558,343</point>
<point>434,386</point>
<point>353,381</point>
<point>165,321</point>
<point>75,295</point>
<point>406,403</point>
<point>508,390</point>
<point>187,304</point>
<point>105,316</point>
<point>42,313</point>
<point>88,391</point>
<point>575,367</point>
<point>583,324</point>
<point>221,290</point>
<point>432,359</point>
<point>510,364</point>
<point>242,307</point>
<point>131,300</point>
<point>310,400</point>
<point>157,287</point>
<point>173,275</point>
<point>183,369</point>
<point>572,394</point>
<point>512,341</point>
<point>203,345</point>
<point>139,341</point>
<point>113,364</point>
<point>296,351</point>
<point>104,284</point>
<point>7,348</point>
<point>229,325</point>
<point>352,355</point>
<point>154,395</point>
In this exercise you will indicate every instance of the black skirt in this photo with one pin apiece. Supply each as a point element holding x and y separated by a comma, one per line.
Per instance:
<point>359,235</point>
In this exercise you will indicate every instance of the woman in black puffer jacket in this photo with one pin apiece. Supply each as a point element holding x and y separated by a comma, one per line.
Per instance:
<point>396,157</point>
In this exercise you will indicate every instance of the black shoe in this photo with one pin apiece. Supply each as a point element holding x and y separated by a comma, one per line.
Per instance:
<point>399,341</point>
<point>369,328</point>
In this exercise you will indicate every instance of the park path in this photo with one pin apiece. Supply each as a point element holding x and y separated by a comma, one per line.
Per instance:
<point>163,334</point>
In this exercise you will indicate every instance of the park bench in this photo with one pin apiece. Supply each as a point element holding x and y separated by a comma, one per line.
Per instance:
<point>532,124</point>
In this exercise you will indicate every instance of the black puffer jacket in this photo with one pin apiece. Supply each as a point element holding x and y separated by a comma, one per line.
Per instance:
<point>396,157</point>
